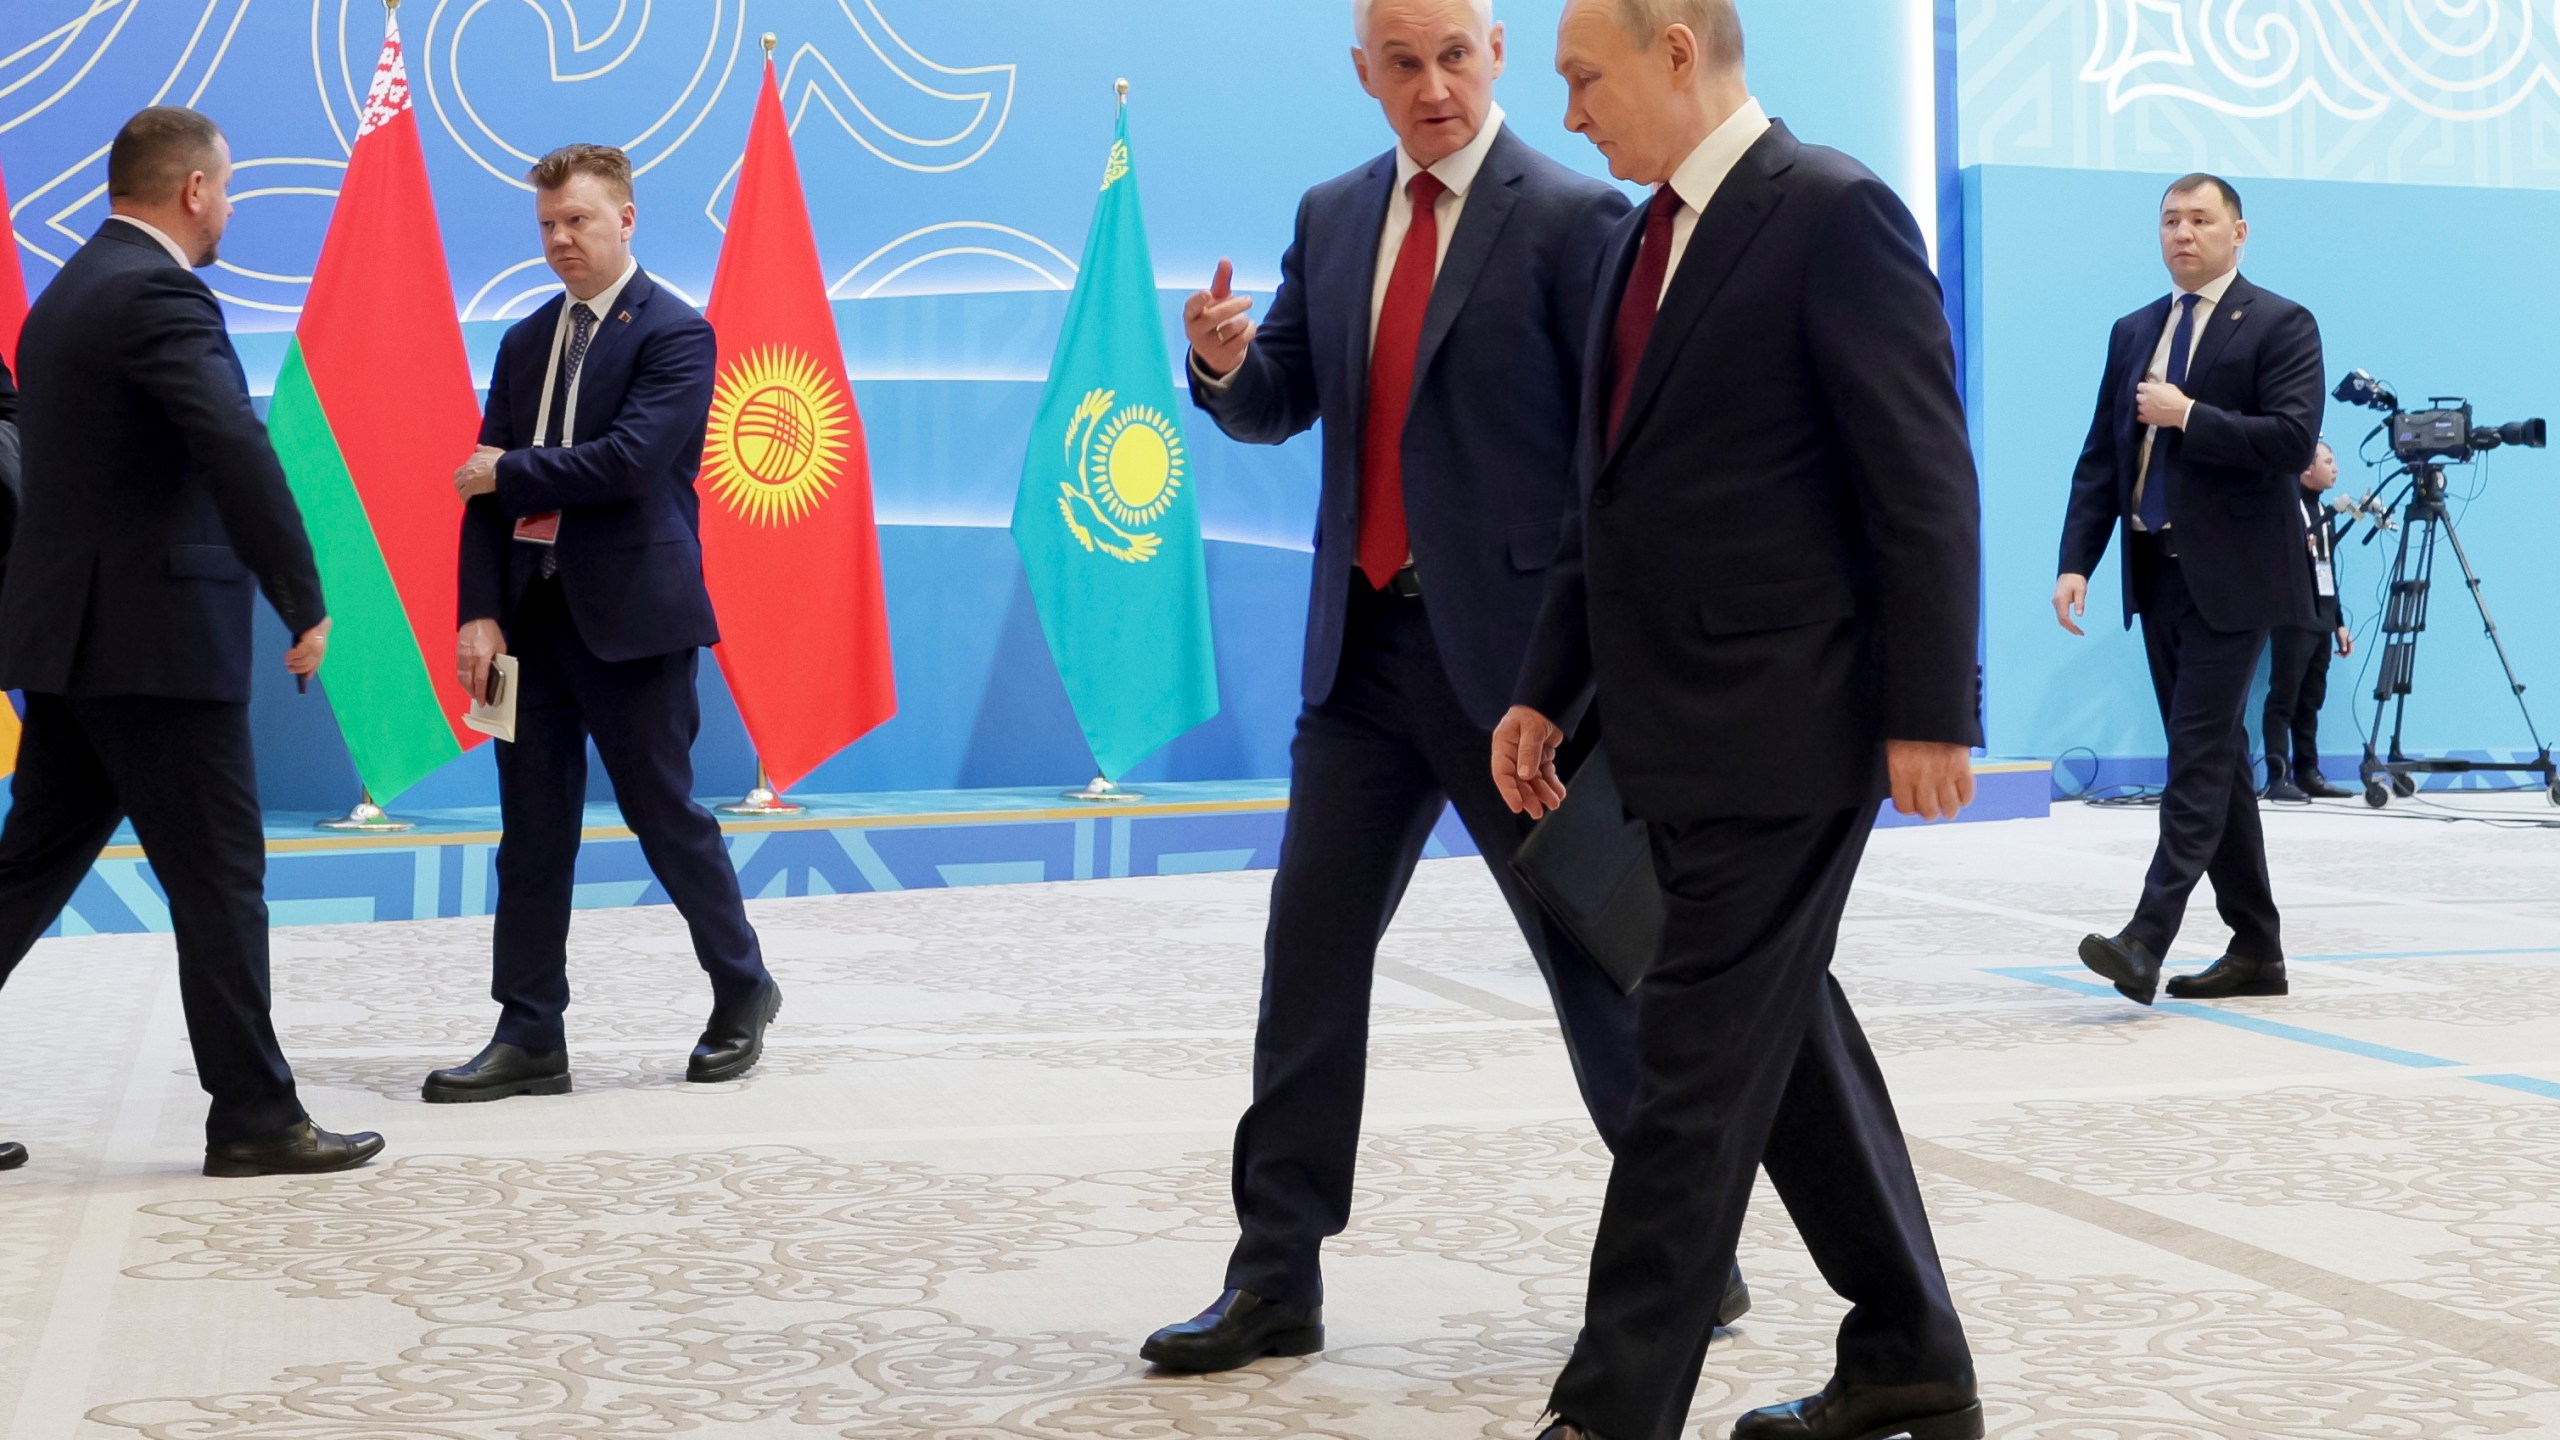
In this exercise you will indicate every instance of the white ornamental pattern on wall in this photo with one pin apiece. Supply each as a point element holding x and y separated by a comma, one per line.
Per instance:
<point>2411,91</point>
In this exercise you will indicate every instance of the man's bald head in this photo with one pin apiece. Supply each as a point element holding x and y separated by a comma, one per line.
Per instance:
<point>1716,23</point>
<point>1363,10</point>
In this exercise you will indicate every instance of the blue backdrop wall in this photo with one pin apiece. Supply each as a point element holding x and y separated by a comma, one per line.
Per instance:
<point>950,148</point>
<point>2401,181</point>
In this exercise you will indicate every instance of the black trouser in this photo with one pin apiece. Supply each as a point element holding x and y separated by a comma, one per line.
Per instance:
<point>643,715</point>
<point>183,771</point>
<point>2209,810</point>
<point>2297,686</point>
<point>1752,1058</point>
<point>1371,770</point>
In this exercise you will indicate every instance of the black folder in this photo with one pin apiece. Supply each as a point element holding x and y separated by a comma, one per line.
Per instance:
<point>1592,868</point>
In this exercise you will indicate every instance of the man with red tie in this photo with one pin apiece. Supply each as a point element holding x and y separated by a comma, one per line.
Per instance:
<point>1432,312</point>
<point>1772,585</point>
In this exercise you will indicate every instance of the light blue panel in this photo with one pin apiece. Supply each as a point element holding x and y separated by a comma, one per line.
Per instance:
<point>1204,862</point>
<point>2452,295</point>
<point>994,872</point>
<point>352,910</point>
<point>2444,92</point>
<point>857,848</point>
<point>609,894</point>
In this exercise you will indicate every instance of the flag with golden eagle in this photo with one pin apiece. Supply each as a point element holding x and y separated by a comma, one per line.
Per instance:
<point>1107,523</point>
<point>789,545</point>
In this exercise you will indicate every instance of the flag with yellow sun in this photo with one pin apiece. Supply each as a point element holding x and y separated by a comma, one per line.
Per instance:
<point>1107,521</point>
<point>790,547</point>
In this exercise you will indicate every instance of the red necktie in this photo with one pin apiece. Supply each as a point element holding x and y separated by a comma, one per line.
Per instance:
<point>1642,303</point>
<point>1385,544</point>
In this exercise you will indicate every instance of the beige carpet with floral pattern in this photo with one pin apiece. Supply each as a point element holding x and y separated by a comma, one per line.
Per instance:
<point>986,1154</point>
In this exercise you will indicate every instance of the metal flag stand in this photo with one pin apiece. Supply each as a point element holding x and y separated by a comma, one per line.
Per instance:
<point>1103,792</point>
<point>763,800</point>
<point>368,819</point>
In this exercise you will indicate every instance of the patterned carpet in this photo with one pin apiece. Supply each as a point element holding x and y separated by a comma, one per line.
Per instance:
<point>986,1155</point>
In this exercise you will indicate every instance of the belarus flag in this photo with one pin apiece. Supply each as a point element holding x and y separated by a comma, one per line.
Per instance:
<point>373,410</point>
<point>789,547</point>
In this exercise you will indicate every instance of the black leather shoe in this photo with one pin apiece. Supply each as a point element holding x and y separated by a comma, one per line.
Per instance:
<point>12,1154</point>
<point>1239,1329</point>
<point>300,1149</point>
<point>734,1040</point>
<point>1567,1430</point>
<point>1877,1412</point>
<point>2125,963</point>
<point>1736,1302</point>
<point>2287,792</point>
<point>2230,977</point>
<point>2317,786</point>
<point>497,1072</point>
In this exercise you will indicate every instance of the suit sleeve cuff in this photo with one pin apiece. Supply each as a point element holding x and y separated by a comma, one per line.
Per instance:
<point>1214,383</point>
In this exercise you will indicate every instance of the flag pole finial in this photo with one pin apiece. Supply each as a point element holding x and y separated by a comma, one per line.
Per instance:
<point>391,5</point>
<point>770,39</point>
<point>1122,85</point>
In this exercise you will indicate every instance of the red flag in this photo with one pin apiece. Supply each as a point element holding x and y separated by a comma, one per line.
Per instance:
<point>789,545</point>
<point>13,286</point>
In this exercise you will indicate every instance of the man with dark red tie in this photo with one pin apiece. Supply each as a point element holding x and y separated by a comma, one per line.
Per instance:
<point>1772,586</point>
<point>1432,312</point>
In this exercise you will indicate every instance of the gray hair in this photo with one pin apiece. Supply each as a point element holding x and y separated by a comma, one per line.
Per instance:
<point>1360,16</point>
<point>1716,23</point>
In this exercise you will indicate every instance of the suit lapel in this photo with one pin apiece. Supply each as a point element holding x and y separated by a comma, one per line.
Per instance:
<point>2228,318</point>
<point>1358,267</point>
<point>1490,202</point>
<point>613,331</point>
<point>1742,205</point>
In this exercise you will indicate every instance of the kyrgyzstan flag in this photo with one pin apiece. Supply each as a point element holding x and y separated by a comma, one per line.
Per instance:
<point>13,285</point>
<point>373,409</point>
<point>789,545</point>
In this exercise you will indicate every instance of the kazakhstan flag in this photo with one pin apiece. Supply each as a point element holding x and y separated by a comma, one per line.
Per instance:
<point>1107,524</point>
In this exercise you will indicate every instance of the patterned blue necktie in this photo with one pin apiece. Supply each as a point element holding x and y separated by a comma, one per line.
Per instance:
<point>2155,485</point>
<point>582,323</point>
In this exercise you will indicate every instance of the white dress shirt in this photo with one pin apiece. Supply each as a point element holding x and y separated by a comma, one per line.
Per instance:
<point>156,233</point>
<point>562,330</point>
<point>2210,293</point>
<point>1704,173</point>
<point>1458,172</point>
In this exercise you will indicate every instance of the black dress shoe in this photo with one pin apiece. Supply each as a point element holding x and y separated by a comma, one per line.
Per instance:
<point>2229,977</point>
<point>12,1154</point>
<point>1736,1302</point>
<point>2286,791</point>
<point>1876,1412</point>
<point>2125,963</point>
<point>299,1149</point>
<point>2318,787</point>
<point>1567,1430</point>
<point>497,1072</point>
<point>734,1040</point>
<point>1239,1329</point>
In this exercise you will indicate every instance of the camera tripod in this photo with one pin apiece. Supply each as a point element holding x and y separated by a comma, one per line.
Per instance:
<point>2404,620</point>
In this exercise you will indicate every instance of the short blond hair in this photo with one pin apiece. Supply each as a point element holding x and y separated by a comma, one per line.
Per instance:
<point>1716,23</point>
<point>604,162</point>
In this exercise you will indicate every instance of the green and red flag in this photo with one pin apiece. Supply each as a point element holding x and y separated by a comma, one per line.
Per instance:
<point>373,410</point>
<point>790,547</point>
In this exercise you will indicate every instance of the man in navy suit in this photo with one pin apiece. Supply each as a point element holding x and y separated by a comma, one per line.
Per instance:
<point>582,557</point>
<point>2208,411</point>
<point>155,513</point>
<point>1431,312</point>
<point>1772,584</point>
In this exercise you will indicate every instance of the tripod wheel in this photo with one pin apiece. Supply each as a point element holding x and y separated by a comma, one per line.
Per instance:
<point>2404,786</point>
<point>2377,794</point>
<point>2554,792</point>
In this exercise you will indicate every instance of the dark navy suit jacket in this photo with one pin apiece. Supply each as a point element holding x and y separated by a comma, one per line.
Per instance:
<point>630,522</point>
<point>154,509</point>
<point>1488,443</point>
<point>1777,564</point>
<point>2258,383</point>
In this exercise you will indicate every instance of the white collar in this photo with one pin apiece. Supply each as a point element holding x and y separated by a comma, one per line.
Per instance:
<point>1704,172</point>
<point>156,233</point>
<point>1459,171</point>
<point>602,305</point>
<point>2212,290</point>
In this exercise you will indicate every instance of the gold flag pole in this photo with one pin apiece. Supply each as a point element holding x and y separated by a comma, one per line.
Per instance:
<point>368,818</point>
<point>1102,791</point>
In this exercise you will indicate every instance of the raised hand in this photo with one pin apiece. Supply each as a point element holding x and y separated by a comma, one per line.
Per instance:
<point>1220,324</point>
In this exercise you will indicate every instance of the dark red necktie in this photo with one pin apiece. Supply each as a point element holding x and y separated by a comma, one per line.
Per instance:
<point>1385,544</point>
<point>1641,304</point>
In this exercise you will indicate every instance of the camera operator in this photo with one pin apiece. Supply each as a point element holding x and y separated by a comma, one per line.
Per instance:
<point>2298,674</point>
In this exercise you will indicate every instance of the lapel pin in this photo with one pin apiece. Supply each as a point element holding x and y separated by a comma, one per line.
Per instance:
<point>624,317</point>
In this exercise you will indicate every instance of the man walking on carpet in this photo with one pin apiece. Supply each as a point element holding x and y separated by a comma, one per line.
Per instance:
<point>582,557</point>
